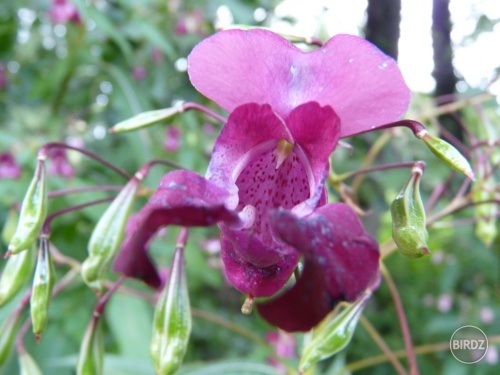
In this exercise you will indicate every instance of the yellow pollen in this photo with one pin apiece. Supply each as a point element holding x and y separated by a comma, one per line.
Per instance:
<point>283,150</point>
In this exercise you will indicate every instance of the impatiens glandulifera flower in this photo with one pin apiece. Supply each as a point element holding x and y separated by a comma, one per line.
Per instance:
<point>60,165</point>
<point>64,11</point>
<point>265,184</point>
<point>172,141</point>
<point>9,169</point>
<point>408,217</point>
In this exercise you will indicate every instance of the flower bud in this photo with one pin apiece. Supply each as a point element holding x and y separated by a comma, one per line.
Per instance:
<point>447,153</point>
<point>333,334</point>
<point>27,365</point>
<point>145,119</point>
<point>17,271</point>
<point>33,212</point>
<point>42,288</point>
<point>8,332</point>
<point>90,361</point>
<point>107,236</point>
<point>172,320</point>
<point>408,218</point>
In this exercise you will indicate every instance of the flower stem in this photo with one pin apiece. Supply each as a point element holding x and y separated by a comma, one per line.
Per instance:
<point>382,345</point>
<point>191,105</point>
<point>376,168</point>
<point>412,362</point>
<point>44,152</point>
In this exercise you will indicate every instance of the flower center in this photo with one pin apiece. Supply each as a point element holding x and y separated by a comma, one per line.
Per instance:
<point>274,177</point>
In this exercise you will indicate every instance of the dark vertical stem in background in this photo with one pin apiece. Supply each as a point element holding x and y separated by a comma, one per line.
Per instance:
<point>382,25</point>
<point>444,73</point>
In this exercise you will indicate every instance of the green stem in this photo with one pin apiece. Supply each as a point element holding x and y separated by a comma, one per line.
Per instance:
<point>412,362</point>
<point>382,345</point>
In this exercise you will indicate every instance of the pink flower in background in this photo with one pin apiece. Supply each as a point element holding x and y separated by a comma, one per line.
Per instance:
<point>139,72</point>
<point>172,141</point>
<point>60,165</point>
<point>284,347</point>
<point>9,169</point>
<point>63,11</point>
<point>265,184</point>
<point>190,23</point>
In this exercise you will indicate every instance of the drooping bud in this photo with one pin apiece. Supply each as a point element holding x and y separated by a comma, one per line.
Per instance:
<point>17,271</point>
<point>42,288</point>
<point>90,360</point>
<point>145,119</point>
<point>408,217</point>
<point>8,331</point>
<point>333,334</point>
<point>33,212</point>
<point>172,320</point>
<point>27,365</point>
<point>108,235</point>
<point>447,153</point>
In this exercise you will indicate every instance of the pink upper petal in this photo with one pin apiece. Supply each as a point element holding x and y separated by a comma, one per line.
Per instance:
<point>363,85</point>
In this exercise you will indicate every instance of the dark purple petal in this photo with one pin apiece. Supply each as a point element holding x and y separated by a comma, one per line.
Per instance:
<point>349,74</point>
<point>183,198</point>
<point>340,260</point>
<point>249,278</point>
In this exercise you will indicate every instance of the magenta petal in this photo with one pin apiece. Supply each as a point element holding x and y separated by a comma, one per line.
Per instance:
<point>340,261</point>
<point>183,198</point>
<point>317,130</point>
<point>248,126</point>
<point>364,86</point>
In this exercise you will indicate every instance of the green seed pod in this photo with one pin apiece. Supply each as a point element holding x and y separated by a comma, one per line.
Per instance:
<point>333,334</point>
<point>17,271</point>
<point>27,365</point>
<point>10,225</point>
<point>447,153</point>
<point>486,213</point>
<point>91,358</point>
<point>145,119</point>
<point>33,212</point>
<point>107,236</point>
<point>172,320</point>
<point>408,218</point>
<point>42,288</point>
<point>8,331</point>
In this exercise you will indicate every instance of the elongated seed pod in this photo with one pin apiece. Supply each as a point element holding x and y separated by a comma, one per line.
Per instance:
<point>90,360</point>
<point>172,320</point>
<point>27,365</point>
<point>17,271</point>
<point>8,331</point>
<point>33,212</point>
<point>41,294</point>
<point>107,236</point>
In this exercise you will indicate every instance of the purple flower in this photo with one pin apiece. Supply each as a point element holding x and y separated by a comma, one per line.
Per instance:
<point>9,169</point>
<point>63,11</point>
<point>60,165</point>
<point>265,184</point>
<point>172,141</point>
